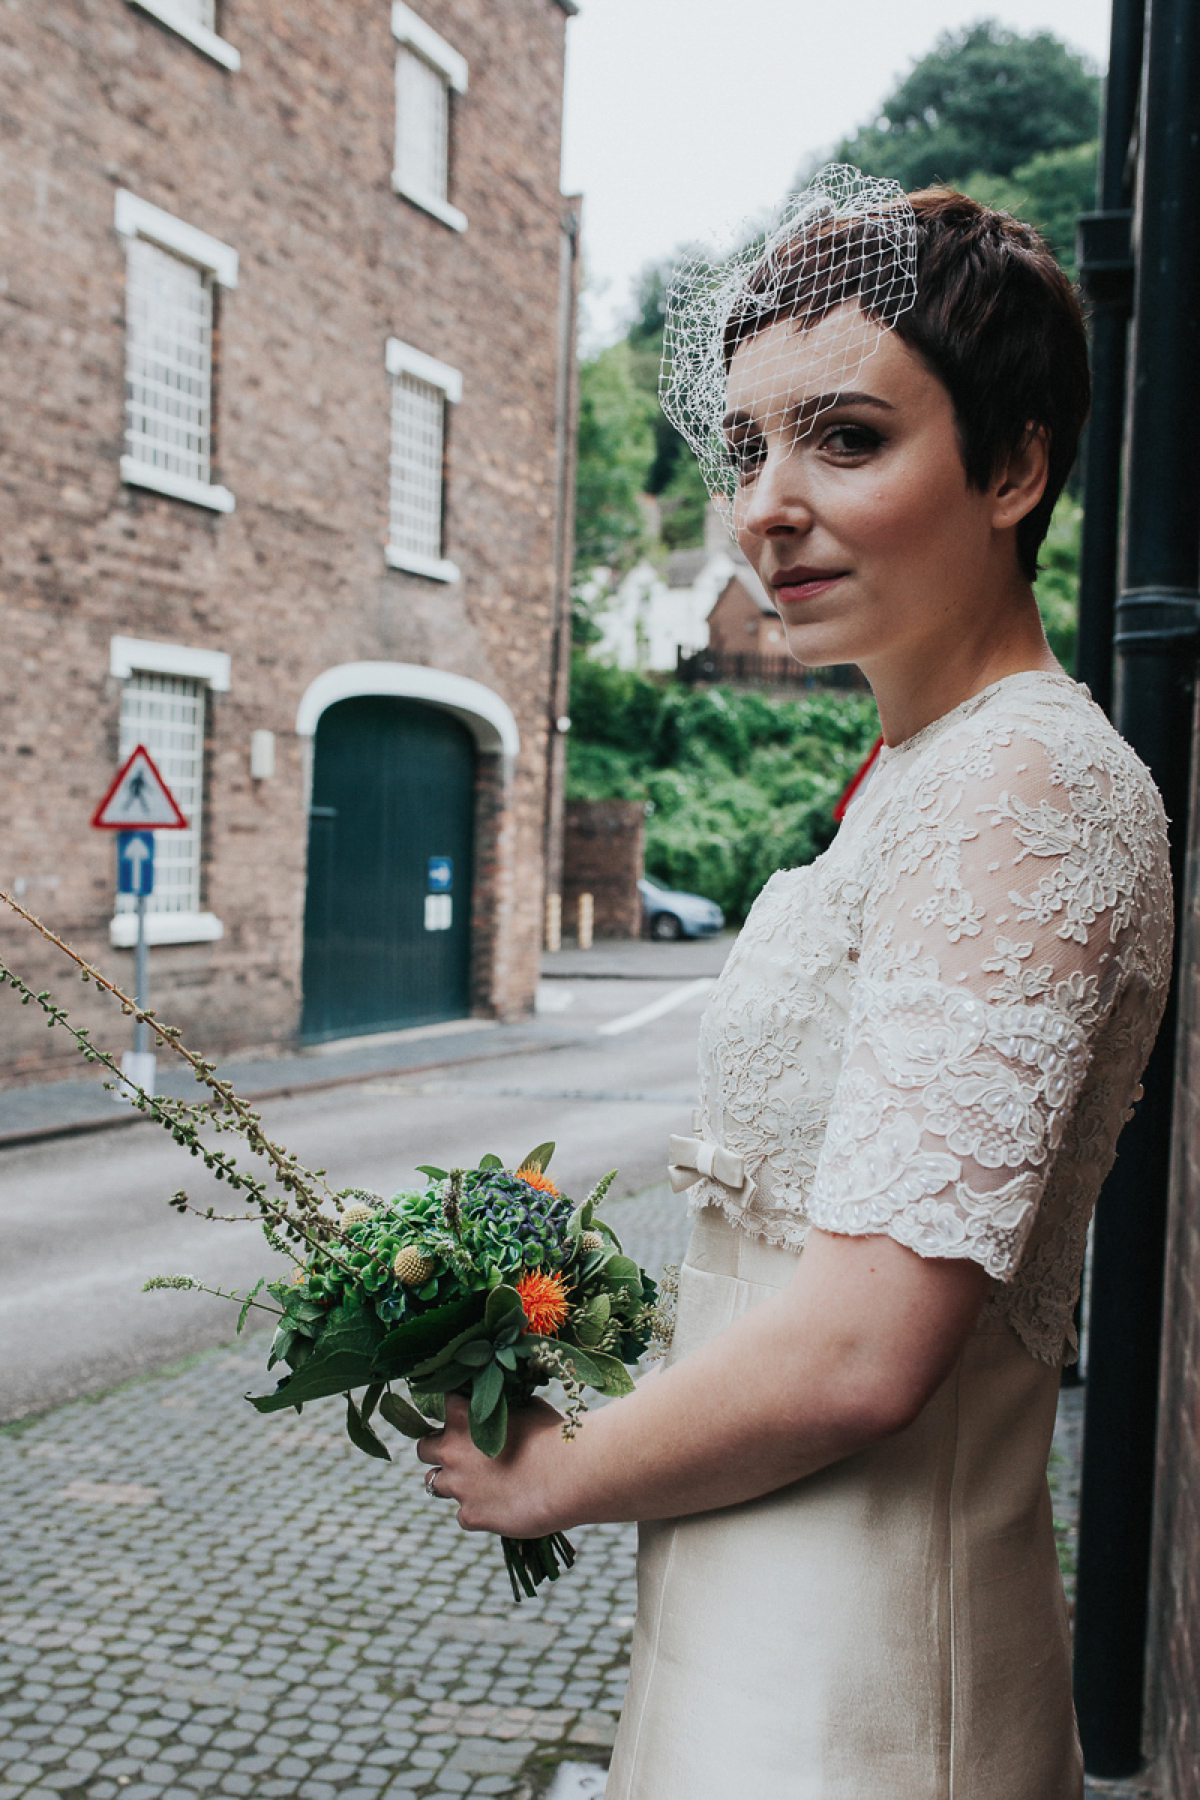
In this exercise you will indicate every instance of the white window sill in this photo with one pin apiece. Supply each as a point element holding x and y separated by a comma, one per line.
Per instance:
<point>165,928</point>
<point>436,568</point>
<point>168,14</point>
<point>179,487</point>
<point>441,209</point>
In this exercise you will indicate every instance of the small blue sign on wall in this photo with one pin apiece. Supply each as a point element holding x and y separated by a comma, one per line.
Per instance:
<point>441,874</point>
<point>135,862</point>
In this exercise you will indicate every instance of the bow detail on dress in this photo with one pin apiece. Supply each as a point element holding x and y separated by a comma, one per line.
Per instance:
<point>695,1158</point>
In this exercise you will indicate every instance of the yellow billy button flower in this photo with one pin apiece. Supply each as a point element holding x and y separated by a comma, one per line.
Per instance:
<point>411,1268</point>
<point>592,1240</point>
<point>355,1214</point>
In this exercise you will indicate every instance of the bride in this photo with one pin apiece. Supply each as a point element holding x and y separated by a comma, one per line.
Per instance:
<point>914,1068</point>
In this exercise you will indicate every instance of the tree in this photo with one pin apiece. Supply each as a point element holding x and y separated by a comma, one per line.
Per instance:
<point>616,449</point>
<point>984,99</point>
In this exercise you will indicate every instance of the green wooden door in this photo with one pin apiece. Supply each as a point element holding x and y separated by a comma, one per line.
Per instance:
<point>387,939</point>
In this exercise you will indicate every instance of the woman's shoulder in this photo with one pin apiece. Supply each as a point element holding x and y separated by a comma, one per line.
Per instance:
<point>1041,736</point>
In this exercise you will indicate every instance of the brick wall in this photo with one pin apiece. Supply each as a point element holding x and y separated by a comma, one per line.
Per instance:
<point>289,161</point>
<point>604,855</point>
<point>1174,1650</point>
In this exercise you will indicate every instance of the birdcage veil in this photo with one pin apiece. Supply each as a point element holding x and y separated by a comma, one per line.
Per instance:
<point>846,237</point>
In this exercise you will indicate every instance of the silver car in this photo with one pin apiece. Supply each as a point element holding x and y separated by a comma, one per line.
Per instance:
<point>671,915</point>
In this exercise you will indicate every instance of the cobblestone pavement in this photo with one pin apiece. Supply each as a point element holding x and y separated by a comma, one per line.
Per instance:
<point>199,1601</point>
<point>196,1601</point>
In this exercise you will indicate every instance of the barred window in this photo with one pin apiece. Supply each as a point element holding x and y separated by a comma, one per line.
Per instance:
<point>168,362</point>
<point>422,127</point>
<point>418,413</point>
<point>421,389</point>
<point>427,70</point>
<point>166,714</point>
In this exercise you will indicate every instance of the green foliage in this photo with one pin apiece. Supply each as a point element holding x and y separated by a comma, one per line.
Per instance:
<point>1057,585</point>
<point>1048,192</point>
<point>616,449</point>
<point>682,505</point>
<point>984,99</point>
<point>737,785</point>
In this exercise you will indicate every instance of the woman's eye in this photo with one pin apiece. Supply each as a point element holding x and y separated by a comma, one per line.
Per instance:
<point>745,455</point>
<point>850,440</point>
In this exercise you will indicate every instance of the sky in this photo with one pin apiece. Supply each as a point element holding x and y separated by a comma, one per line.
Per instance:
<point>684,117</point>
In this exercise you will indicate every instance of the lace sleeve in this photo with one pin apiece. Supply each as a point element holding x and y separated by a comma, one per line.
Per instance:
<point>1001,916</point>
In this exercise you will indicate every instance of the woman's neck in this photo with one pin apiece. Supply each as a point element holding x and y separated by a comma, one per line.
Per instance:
<point>921,683</point>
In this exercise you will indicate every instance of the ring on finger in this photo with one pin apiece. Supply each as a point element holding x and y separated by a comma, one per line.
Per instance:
<point>431,1481</point>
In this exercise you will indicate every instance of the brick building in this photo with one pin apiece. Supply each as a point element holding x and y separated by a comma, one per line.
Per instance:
<point>743,621</point>
<point>1173,1709</point>
<point>288,299</point>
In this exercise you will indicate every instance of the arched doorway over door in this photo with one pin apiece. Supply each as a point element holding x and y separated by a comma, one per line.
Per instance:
<point>387,919</point>
<point>389,894</point>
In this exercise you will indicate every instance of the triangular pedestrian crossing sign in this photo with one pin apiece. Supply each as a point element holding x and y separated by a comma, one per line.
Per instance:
<point>139,798</point>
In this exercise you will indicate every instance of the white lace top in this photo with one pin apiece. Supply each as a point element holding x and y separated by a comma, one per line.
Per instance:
<point>936,1030</point>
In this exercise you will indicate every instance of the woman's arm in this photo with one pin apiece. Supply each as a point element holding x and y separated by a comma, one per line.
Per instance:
<point>847,1353</point>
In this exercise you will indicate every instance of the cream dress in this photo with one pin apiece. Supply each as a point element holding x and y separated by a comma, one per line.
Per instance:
<point>935,1031</point>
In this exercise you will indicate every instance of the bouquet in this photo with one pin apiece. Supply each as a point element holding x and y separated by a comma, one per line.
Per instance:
<point>485,1282</point>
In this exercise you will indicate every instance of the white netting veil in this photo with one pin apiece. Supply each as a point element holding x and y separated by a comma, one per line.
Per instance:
<point>847,238</point>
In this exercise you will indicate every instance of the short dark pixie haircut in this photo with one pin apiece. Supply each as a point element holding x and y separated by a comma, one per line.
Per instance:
<point>995,320</point>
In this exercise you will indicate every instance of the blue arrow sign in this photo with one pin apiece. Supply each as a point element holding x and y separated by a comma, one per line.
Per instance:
<point>135,862</point>
<point>441,874</point>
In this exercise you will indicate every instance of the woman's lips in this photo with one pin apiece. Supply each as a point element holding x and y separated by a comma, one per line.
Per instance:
<point>791,587</point>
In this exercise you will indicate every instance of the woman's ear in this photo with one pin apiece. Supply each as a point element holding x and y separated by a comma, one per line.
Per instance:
<point>1022,482</point>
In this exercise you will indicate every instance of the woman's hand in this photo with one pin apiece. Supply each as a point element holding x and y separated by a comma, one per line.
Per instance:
<point>508,1494</point>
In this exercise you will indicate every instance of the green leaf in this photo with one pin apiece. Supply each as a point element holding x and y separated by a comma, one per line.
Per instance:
<point>404,1417</point>
<point>414,1342</point>
<point>503,1303</point>
<point>507,1359</point>
<point>249,1302</point>
<point>476,1354</point>
<point>340,1359</point>
<point>432,1405</point>
<point>489,1434</point>
<point>538,1159</point>
<point>448,1378</point>
<point>490,1162</point>
<point>433,1174</point>
<point>615,1377</point>
<point>622,1271</point>
<point>361,1435</point>
<point>486,1391</point>
<point>370,1399</point>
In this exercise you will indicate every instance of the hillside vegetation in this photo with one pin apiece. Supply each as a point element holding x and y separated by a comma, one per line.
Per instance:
<point>736,785</point>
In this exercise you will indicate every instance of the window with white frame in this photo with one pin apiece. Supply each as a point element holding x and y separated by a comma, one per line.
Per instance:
<point>421,389</point>
<point>164,697</point>
<point>195,20</point>
<point>171,269</point>
<point>427,71</point>
<point>165,713</point>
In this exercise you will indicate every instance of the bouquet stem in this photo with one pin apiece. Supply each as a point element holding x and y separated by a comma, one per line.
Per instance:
<point>530,1561</point>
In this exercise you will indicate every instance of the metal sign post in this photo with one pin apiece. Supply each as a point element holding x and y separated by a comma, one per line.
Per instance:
<point>138,804</point>
<point>135,875</point>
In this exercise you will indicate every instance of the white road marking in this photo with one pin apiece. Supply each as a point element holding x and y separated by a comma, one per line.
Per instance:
<point>667,1003</point>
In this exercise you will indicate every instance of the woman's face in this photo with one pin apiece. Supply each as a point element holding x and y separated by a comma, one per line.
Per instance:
<point>859,522</point>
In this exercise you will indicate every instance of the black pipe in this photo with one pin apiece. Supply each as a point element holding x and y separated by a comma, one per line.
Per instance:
<point>1106,276</point>
<point>1156,641</point>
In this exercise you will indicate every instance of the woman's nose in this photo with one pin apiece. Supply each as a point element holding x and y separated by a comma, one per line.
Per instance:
<point>774,501</point>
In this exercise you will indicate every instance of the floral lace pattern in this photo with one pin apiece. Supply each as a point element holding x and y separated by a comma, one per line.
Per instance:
<point>936,1030</point>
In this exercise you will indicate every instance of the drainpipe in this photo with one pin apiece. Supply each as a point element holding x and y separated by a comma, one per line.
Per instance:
<point>565,433</point>
<point>1156,641</point>
<point>1105,258</point>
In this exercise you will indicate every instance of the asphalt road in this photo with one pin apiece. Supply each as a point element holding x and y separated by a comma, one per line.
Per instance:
<point>84,1221</point>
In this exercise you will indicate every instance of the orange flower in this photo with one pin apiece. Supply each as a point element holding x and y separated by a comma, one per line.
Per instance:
<point>544,1298</point>
<point>536,1178</point>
